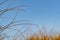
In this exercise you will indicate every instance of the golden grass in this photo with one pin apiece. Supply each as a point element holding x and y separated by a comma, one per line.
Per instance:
<point>33,37</point>
<point>44,37</point>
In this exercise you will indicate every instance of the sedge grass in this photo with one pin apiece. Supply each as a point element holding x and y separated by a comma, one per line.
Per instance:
<point>44,36</point>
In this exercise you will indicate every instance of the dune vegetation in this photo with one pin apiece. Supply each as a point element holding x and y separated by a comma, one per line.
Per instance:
<point>44,36</point>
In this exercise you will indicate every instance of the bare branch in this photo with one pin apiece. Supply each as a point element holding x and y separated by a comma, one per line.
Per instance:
<point>9,9</point>
<point>3,2</point>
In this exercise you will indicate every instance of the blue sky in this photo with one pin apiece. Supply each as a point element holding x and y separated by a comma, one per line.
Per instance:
<point>43,12</point>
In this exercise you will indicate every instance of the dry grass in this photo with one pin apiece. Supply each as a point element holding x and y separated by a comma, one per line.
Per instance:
<point>44,37</point>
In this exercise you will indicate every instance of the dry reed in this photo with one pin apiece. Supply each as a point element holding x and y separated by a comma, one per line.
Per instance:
<point>44,37</point>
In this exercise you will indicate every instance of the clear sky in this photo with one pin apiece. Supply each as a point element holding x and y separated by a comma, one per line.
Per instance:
<point>43,12</point>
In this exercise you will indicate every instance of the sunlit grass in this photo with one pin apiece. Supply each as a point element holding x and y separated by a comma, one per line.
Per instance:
<point>44,36</point>
<point>47,37</point>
